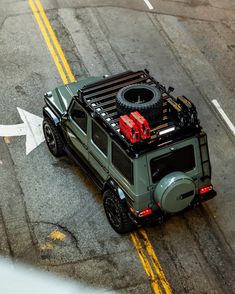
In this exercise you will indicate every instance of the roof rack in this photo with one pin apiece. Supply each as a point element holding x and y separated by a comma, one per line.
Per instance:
<point>179,115</point>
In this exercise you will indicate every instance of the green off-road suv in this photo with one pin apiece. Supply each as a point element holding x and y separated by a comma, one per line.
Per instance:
<point>144,148</point>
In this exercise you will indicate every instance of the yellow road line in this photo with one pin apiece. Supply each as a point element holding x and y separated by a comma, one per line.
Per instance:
<point>145,263</point>
<point>55,41</point>
<point>136,241</point>
<point>155,262</point>
<point>48,42</point>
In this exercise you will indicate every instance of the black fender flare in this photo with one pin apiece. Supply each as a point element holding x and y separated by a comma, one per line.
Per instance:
<point>113,185</point>
<point>47,112</point>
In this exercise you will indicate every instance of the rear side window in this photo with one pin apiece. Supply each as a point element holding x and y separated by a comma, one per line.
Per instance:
<point>79,116</point>
<point>122,163</point>
<point>179,160</point>
<point>100,138</point>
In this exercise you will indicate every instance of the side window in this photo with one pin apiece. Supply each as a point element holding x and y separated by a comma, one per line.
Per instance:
<point>122,163</point>
<point>99,138</point>
<point>79,116</point>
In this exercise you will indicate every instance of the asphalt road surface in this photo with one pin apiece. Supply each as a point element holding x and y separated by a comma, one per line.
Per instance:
<point>51,215</point>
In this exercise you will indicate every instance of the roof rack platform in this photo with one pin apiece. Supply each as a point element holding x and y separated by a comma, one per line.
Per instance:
<point>179,115</point>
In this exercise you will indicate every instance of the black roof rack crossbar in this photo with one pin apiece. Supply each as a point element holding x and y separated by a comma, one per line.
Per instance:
<point>101,98</point>
<point>105,97</point>
<point>111,78</point>
<point>117,87</point>
<point>108,109</point>
<point>112,101</point>
<point>111,114</point>
<point>115,120</point>
<point>108,82</point>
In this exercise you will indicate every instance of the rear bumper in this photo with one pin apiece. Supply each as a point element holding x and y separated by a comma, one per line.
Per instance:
<point>159,216</point>
<point>204,197</point>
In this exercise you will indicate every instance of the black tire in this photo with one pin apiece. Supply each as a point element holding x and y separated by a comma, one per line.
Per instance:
<point>53,138</point>
<point>117,213</point>
<point>140,97</point>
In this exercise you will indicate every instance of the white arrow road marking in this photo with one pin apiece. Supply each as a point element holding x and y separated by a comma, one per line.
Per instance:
<point>31,127</point>
<point>12,130</point>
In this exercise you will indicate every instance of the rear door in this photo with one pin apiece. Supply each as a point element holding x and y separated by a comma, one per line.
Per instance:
<point>98,150</point>
<point>178,157</point>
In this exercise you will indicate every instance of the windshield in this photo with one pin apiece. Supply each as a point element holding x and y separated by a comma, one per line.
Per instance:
<point>179,160</point>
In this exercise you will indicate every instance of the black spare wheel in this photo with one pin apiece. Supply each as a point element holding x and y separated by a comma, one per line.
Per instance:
<point>140,97</point>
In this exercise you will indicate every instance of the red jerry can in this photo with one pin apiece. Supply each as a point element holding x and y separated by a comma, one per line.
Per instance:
<point>142,124</point>
<point>129,129</point>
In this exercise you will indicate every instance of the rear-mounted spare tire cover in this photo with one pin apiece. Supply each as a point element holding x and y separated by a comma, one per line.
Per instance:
<point>174,192</point>
<point>140,97</point>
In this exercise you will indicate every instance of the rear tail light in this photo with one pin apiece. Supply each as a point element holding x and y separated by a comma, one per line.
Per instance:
<point>145,212</point>
<point>205,189</point>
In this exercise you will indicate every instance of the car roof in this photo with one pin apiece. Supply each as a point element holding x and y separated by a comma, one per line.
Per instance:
<point>99,99</point>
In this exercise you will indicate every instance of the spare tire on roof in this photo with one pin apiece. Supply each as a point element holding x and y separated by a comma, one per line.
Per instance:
<point>143,98</point>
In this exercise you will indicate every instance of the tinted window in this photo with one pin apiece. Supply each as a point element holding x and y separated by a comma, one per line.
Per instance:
<point>122,163</point>
<point>79,116</point>
<point>99,138</point>
<point>178,160</point>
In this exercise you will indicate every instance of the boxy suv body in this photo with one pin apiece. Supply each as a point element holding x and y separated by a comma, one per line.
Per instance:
<point>148,178</point>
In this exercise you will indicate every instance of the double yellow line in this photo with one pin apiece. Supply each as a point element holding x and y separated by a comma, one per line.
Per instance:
<point>51,39</point>
<point>150,262</point>
<point>140,239</point>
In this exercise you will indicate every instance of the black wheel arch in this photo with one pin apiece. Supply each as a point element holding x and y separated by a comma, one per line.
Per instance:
<point>49,113</point>
<point>52,132</point>
<point>111,184</point>
<point>117,212</point>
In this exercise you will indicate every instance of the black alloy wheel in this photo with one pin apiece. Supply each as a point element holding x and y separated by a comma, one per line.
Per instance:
<point>117,213</point>
<point>53,138</point>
